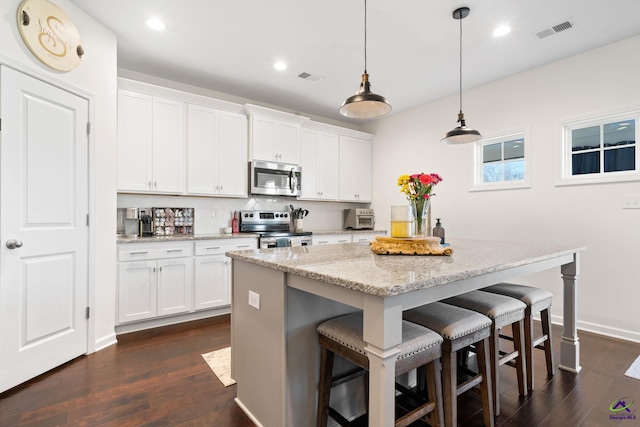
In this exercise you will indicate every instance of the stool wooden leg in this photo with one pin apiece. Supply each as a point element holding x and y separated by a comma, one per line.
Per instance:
<point>494,354</point>
<point>486,386</point>
<point>528,344</point>
<point>450,388</point>
<point>546,329</point>
<point>434,387</point>
<point>521,360</point>
<point>324,386</point>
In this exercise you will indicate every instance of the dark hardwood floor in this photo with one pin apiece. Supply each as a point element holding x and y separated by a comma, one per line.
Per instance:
<point>158,378</point>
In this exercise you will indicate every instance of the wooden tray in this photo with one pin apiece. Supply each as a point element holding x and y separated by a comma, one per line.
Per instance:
<point>409,246</point>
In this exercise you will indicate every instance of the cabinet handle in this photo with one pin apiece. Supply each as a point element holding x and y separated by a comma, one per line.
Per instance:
<point>174,251</point>
<point>139,253</point>
<point>155,184</point>
<point>323,242</point>
<point>212,248</point>
<point>243,246</point>
<point>342,241</point>
<point>160,269</point>
<point>150,185</point>
<point>154,269</point>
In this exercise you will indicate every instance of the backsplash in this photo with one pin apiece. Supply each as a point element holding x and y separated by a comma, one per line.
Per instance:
<point>212,214</point>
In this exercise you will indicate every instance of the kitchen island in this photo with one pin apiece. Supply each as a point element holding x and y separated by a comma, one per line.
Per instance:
<point>280,295</point>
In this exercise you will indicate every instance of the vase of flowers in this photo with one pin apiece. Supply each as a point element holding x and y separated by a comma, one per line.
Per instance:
<point>418,188</point>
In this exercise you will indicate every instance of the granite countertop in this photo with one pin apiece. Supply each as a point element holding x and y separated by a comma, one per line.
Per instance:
<point>356,267</point>
<point>182,237</point>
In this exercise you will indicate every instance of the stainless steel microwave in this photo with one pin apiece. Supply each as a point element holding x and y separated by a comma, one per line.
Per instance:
<point>274,179</point>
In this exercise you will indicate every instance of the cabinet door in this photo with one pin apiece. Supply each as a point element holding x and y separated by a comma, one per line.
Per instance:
<point>287,144</point>
<point>136,291</point>
<point>202,156</point>
<point>263,133</point>
<point>135,139</point>
<point>175,286</point>
<point>211,281</point>
<point>232,166</point>
<point>328,166</point>
<point>355,169</point>
<point>168,146</point>
<point>308,161</point>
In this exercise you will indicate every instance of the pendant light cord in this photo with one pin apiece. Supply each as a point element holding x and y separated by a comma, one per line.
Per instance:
<point>365,36</point>
<point>460,91</point>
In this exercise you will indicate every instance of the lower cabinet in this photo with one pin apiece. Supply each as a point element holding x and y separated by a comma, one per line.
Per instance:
<point>213,271</point>
<point>172,278</point>
<point>331,239</point>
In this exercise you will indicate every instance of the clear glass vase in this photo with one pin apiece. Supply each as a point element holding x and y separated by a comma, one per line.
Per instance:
<point>420,210</point>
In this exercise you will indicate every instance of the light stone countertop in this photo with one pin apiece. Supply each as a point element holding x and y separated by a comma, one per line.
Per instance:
<point>182,237</point>
<point>355,266</point>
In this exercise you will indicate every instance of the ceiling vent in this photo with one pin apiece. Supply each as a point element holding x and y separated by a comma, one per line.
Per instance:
<point>554,29</point>
<point>307,76</point>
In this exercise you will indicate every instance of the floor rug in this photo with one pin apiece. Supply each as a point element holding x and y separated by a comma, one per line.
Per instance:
<point>220,363</point>
<point>634,369</point>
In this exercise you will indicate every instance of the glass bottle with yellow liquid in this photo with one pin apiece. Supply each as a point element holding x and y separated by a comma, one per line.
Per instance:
<point>401,221</point>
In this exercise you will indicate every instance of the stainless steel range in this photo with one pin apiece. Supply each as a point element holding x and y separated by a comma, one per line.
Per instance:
<point>274,229</point>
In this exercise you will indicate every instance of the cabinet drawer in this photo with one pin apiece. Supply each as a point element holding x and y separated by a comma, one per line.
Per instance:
<point>145,251</point>
<point>216,247</point>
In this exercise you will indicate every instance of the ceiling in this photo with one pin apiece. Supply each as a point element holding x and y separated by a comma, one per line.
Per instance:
<point>412,45</point>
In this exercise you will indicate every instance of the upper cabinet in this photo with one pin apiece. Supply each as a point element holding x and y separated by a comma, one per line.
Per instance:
<point>355,169</point>
<point>216,152</point>
<point>274,136</point>
<point>320,161</point>
<point>150,144</point>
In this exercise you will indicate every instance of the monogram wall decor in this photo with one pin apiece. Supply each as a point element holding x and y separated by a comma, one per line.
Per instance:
<point>49,34</point>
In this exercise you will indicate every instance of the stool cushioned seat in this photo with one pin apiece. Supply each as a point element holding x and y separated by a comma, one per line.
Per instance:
<point>538,299</point>
<point>347,331</point>
<point>501,309</point>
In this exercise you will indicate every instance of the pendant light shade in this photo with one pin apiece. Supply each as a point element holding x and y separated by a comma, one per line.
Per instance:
<point>461,134</point>
<point>365,104</point>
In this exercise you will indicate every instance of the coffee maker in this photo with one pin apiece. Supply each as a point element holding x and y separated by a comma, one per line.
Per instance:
<point>128,222</point>
<point>146,222</point>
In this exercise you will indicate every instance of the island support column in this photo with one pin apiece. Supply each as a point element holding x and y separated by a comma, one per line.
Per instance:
<point>569,344</point>
<point>382,323</point>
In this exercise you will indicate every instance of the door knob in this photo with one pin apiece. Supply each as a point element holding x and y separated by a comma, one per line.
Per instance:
<point>13,244</point>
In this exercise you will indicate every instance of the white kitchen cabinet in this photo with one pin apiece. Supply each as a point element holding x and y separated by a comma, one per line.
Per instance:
<point>154,279</point>
<point>320,161</point>
<point>150,144</point>
<point>274,140</point>
<point>365,238</point>
<point>330,239</point>
<point>355,169</point>
<point>213,270</point>
<point>216,152</point>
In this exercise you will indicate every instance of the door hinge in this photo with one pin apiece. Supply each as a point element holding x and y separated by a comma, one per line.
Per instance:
<point>88,220</point>
<point>88,128</point>
<point>88,310</point>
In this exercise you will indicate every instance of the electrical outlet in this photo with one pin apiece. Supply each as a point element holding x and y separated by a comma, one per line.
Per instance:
<point>254,300</point>
<point>631,201</point>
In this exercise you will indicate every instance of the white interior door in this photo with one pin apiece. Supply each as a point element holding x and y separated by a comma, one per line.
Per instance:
<point>43,227</point>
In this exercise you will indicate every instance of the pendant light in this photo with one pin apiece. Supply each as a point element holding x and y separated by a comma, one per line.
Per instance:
<point>461,134</point>
<point>365,104</point>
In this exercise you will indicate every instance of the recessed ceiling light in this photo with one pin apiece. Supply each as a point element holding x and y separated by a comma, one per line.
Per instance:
<point>156,24</point>
<point>501,30</point>
<point>280,65</point>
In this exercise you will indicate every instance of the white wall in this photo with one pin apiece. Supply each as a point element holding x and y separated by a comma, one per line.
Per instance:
<point>599,81</point>
<point>96,75</point>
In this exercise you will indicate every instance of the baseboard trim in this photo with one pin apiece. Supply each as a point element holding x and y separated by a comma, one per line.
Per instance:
<point>595,328</point>
<point>170,320</point>
<point>105,342</point>
<point>247,412</point>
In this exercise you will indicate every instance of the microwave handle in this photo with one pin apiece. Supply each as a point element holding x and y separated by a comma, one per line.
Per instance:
<point>291,177</point>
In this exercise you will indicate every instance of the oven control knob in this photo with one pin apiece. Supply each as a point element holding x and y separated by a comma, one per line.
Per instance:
<point>286,215</point>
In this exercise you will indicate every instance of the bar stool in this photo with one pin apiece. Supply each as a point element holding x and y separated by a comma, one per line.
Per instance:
<point>420,346</point>
<point>536,300</point>
<point>502,311</point>
<point>460,328</point>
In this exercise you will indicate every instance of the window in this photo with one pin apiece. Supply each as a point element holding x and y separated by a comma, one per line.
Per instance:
<point>601,149</point>
<point>501,162</point>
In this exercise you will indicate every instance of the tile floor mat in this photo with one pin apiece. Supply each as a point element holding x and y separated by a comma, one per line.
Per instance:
<point>220,363</point>
<point>634,369</point>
